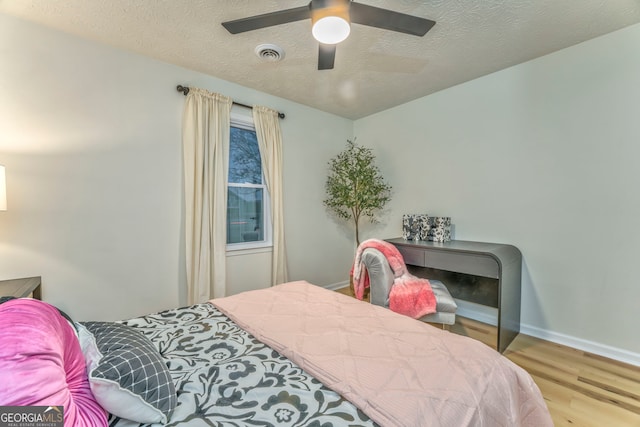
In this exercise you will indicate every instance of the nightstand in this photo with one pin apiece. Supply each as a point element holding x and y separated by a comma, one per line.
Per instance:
<point>20,288</point>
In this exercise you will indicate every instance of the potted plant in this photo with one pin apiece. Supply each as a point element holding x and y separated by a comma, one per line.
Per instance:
<point>355,187</point>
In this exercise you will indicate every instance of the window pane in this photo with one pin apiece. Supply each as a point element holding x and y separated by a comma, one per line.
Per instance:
<point>244,157</point>
<point>244,215</point>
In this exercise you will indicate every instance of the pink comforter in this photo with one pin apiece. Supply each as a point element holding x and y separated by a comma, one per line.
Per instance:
<point>399,371</point>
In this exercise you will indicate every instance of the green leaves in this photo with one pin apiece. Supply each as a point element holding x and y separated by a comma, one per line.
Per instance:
<point>355,187</point>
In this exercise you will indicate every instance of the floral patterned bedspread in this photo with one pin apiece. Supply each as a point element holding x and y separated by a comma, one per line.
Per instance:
<point>226,377</point>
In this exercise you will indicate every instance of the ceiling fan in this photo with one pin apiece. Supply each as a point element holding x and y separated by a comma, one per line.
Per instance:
<point>331,23</point>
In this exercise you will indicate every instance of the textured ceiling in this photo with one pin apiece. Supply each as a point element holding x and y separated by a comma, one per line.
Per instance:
<point>374,69</point>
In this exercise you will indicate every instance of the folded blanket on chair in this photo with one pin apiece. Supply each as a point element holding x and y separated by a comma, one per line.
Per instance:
<point>410,295</point>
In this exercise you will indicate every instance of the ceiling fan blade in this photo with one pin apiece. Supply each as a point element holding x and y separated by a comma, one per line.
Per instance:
<point>389,20</point>
<point>268,19</point>
<point>326,56</point>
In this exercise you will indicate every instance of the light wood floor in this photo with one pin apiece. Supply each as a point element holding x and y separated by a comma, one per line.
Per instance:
<point>580,389</point>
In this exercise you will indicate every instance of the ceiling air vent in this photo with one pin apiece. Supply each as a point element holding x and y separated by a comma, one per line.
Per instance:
<point>270,52</point>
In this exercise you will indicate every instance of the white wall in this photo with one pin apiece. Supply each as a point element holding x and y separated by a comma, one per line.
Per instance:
<point>90,137</point>
<point>544,156</point>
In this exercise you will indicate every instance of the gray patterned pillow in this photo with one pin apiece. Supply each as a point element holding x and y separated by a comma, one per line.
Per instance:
<point>127,375</point>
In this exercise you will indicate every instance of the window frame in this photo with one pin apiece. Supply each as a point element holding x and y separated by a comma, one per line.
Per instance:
<point>246,122</point>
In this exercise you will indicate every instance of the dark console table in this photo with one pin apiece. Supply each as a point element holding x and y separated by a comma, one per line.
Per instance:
<point>500,264</point>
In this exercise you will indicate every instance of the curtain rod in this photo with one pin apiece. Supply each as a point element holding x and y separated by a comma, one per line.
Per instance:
<point>185,91</point>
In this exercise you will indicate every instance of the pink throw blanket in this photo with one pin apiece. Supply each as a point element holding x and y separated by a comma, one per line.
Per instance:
<point>410,295</point>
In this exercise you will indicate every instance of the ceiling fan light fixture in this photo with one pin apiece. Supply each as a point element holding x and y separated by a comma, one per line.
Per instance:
<point>331,23</point>
<point>331,29</point>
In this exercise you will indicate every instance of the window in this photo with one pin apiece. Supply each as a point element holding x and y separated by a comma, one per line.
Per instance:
<point>248,209</point>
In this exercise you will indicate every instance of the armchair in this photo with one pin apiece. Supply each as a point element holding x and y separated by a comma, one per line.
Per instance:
<point>381,279</point>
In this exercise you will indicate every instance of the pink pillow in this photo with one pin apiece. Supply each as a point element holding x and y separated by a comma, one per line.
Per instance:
<point>41,363</point>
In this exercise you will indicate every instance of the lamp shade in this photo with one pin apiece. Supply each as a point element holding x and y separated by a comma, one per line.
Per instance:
<point>3,190</point>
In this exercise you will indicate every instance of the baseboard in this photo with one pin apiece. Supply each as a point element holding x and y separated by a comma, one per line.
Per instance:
<point>603,350</point>
<point>336,286</point>
<point>484,314</point>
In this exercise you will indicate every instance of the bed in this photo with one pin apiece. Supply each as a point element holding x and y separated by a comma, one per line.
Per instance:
<point>297,355</point>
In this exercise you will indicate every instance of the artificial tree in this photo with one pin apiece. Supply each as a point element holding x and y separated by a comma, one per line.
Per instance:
<point>355,187</point>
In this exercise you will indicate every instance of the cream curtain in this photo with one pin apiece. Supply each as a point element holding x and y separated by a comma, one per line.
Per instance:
<point>205,141</point>
<point>270,143</point>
